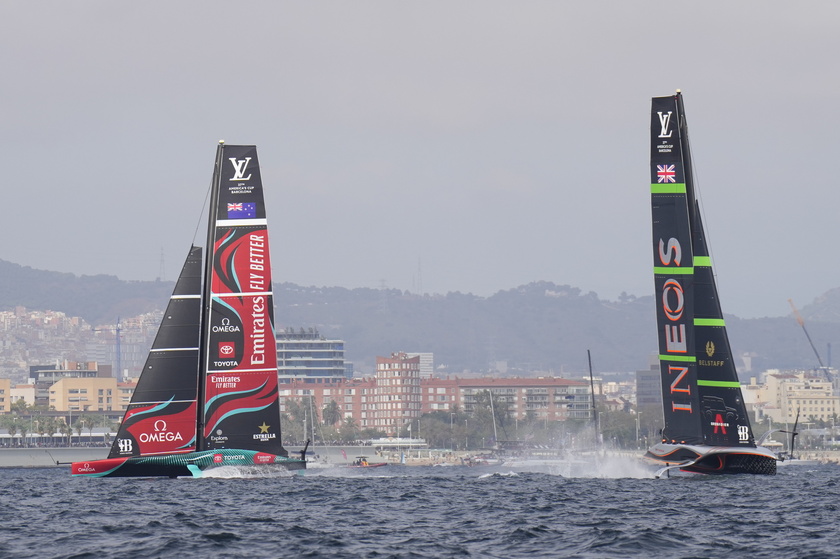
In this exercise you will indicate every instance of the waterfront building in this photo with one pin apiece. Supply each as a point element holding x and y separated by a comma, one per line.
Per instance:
<point>786,394</point>
<point>397,392</point>
<point>355,397</point>
<point>545,398</point>
<point>84,394</point>
<point>397,396</point>
<point>93,394</point>
<point>308,356</point>
<point>44,376</point>
<point>5,395</point>
<point>23,393</point>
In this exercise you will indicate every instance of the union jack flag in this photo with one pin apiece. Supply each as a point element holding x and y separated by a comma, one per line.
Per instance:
<point>666,173</point>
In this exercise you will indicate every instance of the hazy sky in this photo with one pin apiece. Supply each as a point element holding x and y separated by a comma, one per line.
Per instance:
<point>442,145</point>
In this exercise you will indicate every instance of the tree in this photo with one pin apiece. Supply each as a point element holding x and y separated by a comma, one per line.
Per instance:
<point>88,422</point>
<point>11,422</point>
<point>50,427</point>
<point>619,428</point>
<point>78,428</point>
<point>331,413</point>
<point>65,429</point>
<point>491,411</point>
<point>295,410</point>
<point>19,406</point>
<point>293,420</point>
<point>23,427</point>
<point>41,425</point>
<point>349,430</point>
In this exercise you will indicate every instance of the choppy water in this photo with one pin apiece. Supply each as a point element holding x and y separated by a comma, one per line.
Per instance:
<point>415,512</point>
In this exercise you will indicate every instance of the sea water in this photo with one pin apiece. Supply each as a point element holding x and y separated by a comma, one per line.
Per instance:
<point>414,512</point>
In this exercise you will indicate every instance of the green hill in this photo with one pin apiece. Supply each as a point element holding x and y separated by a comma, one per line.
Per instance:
<point>540,326</point>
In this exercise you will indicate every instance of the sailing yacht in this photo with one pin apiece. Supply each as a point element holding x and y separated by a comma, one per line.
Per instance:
<point>208,393</point>
<point>706,426</point>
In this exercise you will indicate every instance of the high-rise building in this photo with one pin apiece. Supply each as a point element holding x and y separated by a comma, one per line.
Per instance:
<point>649,386</point>
<point>397,392</point>
<point>427,363</point>
<point>306,355</point>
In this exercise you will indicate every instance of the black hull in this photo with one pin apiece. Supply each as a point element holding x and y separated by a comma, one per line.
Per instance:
<point>714,460</point>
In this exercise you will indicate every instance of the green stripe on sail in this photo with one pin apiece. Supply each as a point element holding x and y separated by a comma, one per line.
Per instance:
<point>709,322</point>
<point>686,358</point>
<point>668,188</point>
<point>667,270</point>
<point>703,261</point>
<point>719,383</point>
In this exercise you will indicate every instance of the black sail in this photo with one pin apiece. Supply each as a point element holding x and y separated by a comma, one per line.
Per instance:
<point>701,394</point>
<point>724,415</point>
<point>161,418</point>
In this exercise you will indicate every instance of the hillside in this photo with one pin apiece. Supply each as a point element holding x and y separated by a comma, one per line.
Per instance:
<point>539,326</point>
<point>98,299</point>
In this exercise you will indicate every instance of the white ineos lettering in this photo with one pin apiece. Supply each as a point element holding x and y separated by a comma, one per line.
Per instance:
<point>672,289</point>
<point>239,166</point>
<point>669,252</point>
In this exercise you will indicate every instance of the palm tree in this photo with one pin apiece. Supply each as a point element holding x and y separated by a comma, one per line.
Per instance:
<point>89,422</point>
<point>331,413</point>
<point>41,426</point>
<point>10,422</point>
<point>50,425</point>
<point>65,429</point>
<point>22,427</point>
<point>78,428</point>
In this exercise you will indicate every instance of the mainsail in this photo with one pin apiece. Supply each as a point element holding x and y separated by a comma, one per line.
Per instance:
<point>701,395</point>
<point>240,396</point>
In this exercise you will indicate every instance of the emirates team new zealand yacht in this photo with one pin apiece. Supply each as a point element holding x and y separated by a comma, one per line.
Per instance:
<point>707,429</point>
<point>207,396</point>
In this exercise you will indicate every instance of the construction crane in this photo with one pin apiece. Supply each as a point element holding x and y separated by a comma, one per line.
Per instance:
<point>801,322</point>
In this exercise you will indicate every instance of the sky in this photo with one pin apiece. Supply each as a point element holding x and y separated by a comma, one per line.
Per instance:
<point>433,146</point>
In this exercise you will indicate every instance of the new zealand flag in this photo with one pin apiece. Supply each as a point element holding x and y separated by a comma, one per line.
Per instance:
<point>241,210</point>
